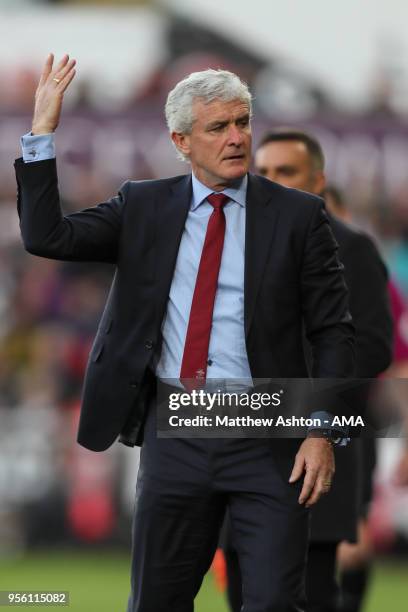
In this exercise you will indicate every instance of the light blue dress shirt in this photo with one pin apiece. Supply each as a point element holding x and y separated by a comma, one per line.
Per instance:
<point>227,356</point>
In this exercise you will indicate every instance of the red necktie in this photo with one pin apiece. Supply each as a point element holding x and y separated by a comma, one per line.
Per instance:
<point>194,364</point>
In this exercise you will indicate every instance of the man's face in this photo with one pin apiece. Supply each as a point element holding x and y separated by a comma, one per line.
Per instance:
<point>289,163</point>
<point>219,146</point>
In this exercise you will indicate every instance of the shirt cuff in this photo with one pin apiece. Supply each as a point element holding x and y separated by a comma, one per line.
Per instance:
<point>37,148</point>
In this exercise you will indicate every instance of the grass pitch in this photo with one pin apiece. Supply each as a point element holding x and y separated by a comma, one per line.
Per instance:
<point>99,581</point>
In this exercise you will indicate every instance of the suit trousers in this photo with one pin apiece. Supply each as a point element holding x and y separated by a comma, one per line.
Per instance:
<point>321,584</point>
<point>183,488</point>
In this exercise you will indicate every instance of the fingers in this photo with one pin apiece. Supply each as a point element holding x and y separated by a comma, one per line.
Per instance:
<point>66,80</point>
<point>62,68</point>
<point>297,468</point>
<point>61,64</point>
<point>321,487</point>
<point>64,76</point>
<point>61,73</point>
<point>47,68</point>
<point>308,485</point>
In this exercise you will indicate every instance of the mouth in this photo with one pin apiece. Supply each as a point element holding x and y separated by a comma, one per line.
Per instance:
<point>236,157</point>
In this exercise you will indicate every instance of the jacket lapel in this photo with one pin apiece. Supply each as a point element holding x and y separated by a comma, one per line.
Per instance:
<point>171,214</point>
<point>261,218</point>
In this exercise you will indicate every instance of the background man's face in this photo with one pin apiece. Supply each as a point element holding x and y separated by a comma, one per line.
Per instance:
<point>219,145</point>
<point>289,163</point>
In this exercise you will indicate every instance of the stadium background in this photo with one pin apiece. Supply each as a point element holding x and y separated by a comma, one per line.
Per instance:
<point>340,71</point>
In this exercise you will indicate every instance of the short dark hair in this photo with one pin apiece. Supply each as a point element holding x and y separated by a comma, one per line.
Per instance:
<point>287,134</point>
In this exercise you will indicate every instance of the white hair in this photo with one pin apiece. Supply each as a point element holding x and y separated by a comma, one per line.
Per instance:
<point>207,86</point>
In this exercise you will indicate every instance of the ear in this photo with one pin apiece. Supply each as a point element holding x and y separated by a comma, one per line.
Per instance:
<point>182,142</point>
<point>320,182</point>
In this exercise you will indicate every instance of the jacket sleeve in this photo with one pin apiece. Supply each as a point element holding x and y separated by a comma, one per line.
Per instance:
<point>328,324</point>
<point>89,235</point>
<point>370,307</point>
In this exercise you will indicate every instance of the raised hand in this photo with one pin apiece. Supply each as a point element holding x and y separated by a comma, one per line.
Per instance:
<point>50,93</point>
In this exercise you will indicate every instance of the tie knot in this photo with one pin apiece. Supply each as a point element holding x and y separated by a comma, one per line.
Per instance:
<point>217,200</point>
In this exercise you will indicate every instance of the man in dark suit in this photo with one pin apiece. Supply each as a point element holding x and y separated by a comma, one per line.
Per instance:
<point>295,159</point>
<point>354,558</point>
<point>216,272</point>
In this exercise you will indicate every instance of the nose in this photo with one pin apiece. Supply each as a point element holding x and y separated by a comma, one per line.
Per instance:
<point>235,136</point>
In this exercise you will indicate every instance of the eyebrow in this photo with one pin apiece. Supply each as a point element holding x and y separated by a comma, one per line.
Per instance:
<point>214,124</point>
<point>221,123</point>
<point>285,168</point>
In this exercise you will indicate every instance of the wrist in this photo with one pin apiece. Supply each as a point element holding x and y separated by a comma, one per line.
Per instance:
<point>324,434</point>
<point>39,130</point>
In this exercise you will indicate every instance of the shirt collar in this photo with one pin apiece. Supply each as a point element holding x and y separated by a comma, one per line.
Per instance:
<point>201,191</point>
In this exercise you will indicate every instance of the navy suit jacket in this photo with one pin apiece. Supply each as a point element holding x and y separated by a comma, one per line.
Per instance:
<point>292,273</point>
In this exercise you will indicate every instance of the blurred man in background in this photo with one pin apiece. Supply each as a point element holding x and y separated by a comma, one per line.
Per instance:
<point>295,159</point>
<point>171,240</point>
<point>354,559</point>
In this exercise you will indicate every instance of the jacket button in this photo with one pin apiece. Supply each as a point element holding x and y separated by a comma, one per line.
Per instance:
<point>149,344</point>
